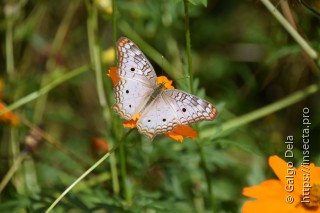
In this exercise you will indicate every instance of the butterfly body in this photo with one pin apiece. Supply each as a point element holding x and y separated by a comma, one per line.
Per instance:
<point>160,109</point>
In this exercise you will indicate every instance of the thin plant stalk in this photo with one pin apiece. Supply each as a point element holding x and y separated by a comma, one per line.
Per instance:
<point>95,53</point>
<point>52,141</point>
<point>259,113</point>
<point>114,28</point>
<point>204,166</point>
<point>188,44</point>
<point>56,46</point>
<point>101,160</point>
<point>122,148</point>
<point>304,45</point>
<point>9,48</point>
<point>92,23</point>
<point>44,90</point>
<point>17,162</point>
<point>123,170</point>
<point>190,73</point>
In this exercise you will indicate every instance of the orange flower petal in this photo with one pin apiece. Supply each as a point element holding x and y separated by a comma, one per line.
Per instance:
<point>175,136</point>
<point>9,117</point>
<point>268,206</point>
<point>267,193</point>
<point>182,131</point>
<point>279,167</point>
<point>272,196</point>
<point>112,73</point>
<point>99,144</point>
<point>132,123</point>
<point>164,80</point>
<point>314,174</point>
<point>263,190</point>
<point>1,89</point>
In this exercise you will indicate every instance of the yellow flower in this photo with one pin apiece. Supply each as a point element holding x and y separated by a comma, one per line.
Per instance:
<point>297,190</point>
<point>108,56</point>
<point>105,5</point>
<point>179,132</point>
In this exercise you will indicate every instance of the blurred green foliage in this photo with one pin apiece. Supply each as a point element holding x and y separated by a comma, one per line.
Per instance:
<point>242,60</point>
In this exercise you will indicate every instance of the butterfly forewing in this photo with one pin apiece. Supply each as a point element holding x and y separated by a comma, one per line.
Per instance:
<point>133,64</point>
<point>137,79</point>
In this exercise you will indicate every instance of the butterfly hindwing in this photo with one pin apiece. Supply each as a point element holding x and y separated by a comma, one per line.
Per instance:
<point>157,118</point>
<point>189,108</point>
<point>130,97</point>
<point>172,108</point>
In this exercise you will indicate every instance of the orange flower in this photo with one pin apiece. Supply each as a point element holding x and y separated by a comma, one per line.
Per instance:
<point>99,145</point>
<point>164,80</point>
<point>112,73</point>
<point>179,132</point>
<point>297,190</point>
<point>9,116</point>
<point>132,123</point>
<point>1,89</point>
<point>182,131</point>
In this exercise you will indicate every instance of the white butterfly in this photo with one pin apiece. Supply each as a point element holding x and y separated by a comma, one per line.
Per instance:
<point>137,91</point>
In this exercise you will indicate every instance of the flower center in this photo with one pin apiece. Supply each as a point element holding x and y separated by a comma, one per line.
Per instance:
<point>314,201</point>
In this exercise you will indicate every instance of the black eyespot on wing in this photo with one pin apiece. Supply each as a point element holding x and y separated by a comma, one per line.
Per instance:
<point>132,69</point>
<point>184,109</point>
<point>127,91</point>
<point>130,105</point>
<point>164,120</point>
<point>149,120</point>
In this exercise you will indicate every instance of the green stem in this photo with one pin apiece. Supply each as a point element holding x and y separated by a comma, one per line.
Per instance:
<point>188,44</point>
<point>55,47</point>
<point>257,114</point>
<point>44,90</point>
<point>123,170</point>
<point>95,53</point>
<point>102,159</point>
<point>94,47</point>
<point>190,75</point>
<point>9,49</point>
<point>203,164</point>
<point>311,52</point>
<point>16,164</point>
<point>114,29</point>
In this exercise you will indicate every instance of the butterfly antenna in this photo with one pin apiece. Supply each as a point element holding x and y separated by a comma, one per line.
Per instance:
<point>162,58</point>
<point>309,7</point>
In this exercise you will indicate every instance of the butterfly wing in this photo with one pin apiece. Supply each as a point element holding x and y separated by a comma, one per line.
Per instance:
<point>133,64</point>
<point>157,118</point>
<point>190,108</point>
<point>137,79</point>
<point>172,108</point>
<point>130,97</point>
